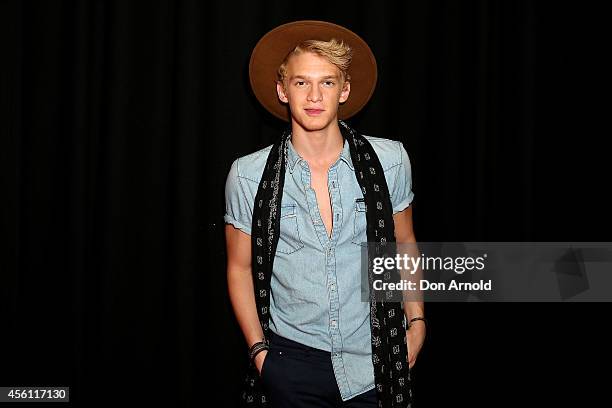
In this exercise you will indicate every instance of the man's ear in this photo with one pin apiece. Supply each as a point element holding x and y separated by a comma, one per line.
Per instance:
<point>346,90</point>
<point>280,90</point>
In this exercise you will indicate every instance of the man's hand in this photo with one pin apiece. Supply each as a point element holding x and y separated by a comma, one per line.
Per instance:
<point>415,337</point>
<point>259,360</point>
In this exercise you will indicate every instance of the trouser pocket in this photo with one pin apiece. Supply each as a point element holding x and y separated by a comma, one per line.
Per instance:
<point>266,363</point>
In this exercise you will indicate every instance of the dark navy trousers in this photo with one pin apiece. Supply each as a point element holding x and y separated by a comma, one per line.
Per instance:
<point>295,375</point>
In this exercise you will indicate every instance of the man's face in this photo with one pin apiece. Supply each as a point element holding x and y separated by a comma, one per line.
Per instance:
<point>313,88</point>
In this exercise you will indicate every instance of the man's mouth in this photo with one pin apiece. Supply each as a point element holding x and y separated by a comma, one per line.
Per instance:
<point>313,112</point>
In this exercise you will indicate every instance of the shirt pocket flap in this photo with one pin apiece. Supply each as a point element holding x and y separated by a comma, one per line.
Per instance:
<point>287,211</point>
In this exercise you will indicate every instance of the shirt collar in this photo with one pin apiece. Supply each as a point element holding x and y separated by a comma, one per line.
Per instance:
<point>293,157</point>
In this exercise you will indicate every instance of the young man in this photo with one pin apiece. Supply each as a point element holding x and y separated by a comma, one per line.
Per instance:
<point>297,213</point>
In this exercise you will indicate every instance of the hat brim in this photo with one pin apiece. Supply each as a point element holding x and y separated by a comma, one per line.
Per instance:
<point>274,46</point>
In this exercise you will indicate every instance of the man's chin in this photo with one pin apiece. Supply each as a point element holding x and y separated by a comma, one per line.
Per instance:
<point>313,124</point>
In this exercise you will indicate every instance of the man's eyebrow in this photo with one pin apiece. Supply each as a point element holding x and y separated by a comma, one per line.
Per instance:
<point>308,77</point>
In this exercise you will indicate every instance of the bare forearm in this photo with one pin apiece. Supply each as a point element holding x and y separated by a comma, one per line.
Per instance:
<point>414,309</point>
<point>413,299</point>
<point>413,304</point>
<point>241,292</point>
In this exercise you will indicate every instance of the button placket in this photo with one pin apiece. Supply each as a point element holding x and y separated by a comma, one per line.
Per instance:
<point>313,207</point>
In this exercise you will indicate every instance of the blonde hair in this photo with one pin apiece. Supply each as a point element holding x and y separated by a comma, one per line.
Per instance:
<point>336,52</point>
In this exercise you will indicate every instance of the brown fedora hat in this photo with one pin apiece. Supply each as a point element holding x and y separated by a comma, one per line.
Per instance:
<point>274,46</point>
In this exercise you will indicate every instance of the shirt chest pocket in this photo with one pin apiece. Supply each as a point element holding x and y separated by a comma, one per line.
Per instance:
<point>359,222</point>
<point>289,240</point>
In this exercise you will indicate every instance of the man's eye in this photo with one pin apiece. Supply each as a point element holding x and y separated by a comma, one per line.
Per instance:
<point>300,83</point>
<point>329,83</point>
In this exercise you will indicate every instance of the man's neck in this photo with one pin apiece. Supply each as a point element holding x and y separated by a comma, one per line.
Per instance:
<point>319,148</point>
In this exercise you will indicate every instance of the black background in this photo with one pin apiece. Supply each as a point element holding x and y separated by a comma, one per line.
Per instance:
<point>119,123</point>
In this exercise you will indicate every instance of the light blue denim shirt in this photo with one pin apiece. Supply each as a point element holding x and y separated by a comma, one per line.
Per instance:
<point>315,287</point>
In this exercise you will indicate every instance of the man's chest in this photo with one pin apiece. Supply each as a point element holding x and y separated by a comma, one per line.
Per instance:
<point>319,210</point>
<point>320,185</point>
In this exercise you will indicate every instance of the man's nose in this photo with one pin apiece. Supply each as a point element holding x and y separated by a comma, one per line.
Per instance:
<point>315,94</point>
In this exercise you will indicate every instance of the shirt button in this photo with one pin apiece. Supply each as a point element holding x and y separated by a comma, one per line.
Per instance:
<point>332,286</point>
<point>333,323</point>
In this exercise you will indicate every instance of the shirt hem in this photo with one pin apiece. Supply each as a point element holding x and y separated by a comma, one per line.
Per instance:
<point>359,392</point>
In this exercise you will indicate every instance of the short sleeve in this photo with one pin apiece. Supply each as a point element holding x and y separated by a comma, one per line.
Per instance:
<point>401,192</point>
<point>238,209</point>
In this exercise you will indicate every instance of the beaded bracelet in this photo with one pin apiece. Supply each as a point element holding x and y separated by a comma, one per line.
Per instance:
<point>257,348</point>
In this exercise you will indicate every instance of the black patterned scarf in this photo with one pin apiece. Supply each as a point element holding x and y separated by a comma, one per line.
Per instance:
<point>389,353</point>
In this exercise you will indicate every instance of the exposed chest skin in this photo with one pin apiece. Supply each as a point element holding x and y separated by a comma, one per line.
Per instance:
<point>320,186</point>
